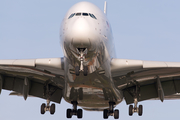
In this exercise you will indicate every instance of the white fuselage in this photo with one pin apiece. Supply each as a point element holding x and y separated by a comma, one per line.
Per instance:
<point>85,27</point>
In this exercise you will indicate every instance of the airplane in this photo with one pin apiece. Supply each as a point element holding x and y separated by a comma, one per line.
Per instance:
<point>89,75</point>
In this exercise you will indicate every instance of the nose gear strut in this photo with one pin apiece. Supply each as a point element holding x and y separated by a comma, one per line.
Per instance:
<point>84,69</point>
<point>81,57</point>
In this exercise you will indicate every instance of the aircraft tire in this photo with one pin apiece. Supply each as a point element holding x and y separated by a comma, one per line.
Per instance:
<point>130,110</point>
<point>85,70</point>
<point>52,109</point>
<point>140,111</point>
<point>116,114</point>
<point>79,113</point>
<point>68,113</point>
<point>105,114</point>
<point>77,70</point>
<point>42,108</point>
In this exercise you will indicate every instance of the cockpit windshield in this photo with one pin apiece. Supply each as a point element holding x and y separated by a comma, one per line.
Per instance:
<point>78,14</point>
<point>92,16</point>
<point>83,14</point>
<point>72,15</point>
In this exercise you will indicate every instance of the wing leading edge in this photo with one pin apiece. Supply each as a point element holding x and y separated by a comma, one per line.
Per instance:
<point>152,80</point>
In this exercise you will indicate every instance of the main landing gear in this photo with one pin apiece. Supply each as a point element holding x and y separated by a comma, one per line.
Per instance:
<point>136,109</point>
<point>74,111</point>
<point>48,92</point>
<point>47,107</point>
<point>84,69</point>
<point>139,109</point>
<point>111,111</point>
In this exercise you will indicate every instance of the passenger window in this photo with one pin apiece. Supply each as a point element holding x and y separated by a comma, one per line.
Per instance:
<point>78,14</point>
<point>72,15</point>
<point>85,14</point>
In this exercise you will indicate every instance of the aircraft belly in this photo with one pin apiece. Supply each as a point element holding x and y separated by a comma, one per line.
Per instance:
<point>94,91</point>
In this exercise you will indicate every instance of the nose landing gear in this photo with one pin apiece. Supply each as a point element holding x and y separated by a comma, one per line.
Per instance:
<point>84,69</point>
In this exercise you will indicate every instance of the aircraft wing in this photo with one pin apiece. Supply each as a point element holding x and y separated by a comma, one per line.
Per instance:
<point>43,78</point>
<point>150,79</point>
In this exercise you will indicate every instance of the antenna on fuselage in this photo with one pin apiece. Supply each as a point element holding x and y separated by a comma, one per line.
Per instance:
<point>105,7</point>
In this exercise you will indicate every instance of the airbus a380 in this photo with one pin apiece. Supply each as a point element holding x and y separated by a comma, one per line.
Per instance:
<point>89,75</point>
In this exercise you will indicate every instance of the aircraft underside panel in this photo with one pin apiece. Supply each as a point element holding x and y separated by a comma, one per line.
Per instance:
<point>92,92</point>
<point>169,88</point>
<point>30,88</point>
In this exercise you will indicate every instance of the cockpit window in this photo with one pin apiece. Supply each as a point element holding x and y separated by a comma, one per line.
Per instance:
<point>78,14</point>
<point>72,15</point>
<point>85,14</point>
<point>92,16</point>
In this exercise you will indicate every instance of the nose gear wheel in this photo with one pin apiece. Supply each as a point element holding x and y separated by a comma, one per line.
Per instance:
<point>85,71</point>
<point>77,70</point>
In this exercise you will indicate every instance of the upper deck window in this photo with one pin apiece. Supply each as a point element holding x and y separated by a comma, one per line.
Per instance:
<point>85,14</point>
<point>72,15</point>
<point>92,16</point>
<point>78,14</point>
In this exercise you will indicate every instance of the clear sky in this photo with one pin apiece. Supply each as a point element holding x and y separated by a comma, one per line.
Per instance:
<point>142,29</point>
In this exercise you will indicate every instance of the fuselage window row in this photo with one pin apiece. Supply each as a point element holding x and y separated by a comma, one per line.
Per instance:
<point>83,14</point>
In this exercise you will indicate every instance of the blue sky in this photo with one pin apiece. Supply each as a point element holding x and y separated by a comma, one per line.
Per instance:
<point>145,30</point>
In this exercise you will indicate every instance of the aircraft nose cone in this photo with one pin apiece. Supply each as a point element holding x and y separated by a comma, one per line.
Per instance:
<point>81,33</point>
<point>80,26</point>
